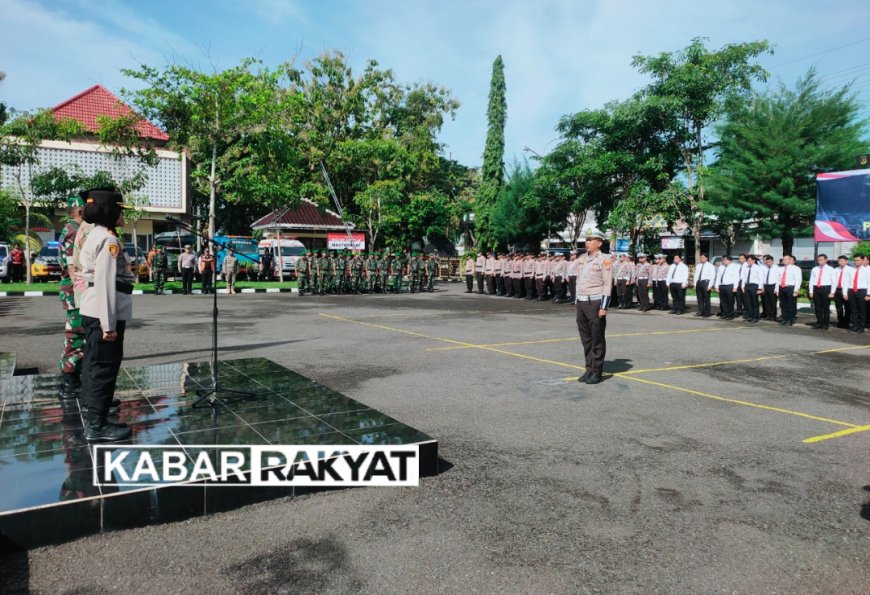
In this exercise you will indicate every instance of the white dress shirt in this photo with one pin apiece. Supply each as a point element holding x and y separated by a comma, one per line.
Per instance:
<point>843,279</point>
<point>743,278</point>
<point>863,275</point>
<point>772,274</point>
<point>828,278</point>
<point>792,277</point>
<point>756,274</point>
<point>730,274</point>
<point>705,272</point>
<point>678,273</point>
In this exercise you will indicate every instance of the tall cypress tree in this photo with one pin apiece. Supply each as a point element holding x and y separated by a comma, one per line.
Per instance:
<point>492,173</point>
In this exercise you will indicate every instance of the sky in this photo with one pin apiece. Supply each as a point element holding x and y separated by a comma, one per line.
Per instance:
<point>561,56</point>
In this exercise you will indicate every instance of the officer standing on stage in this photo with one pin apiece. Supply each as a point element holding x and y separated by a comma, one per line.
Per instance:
<point>594,282</point>
<point>159,265</point>
<point>74,333</point>
<point>106,307</point>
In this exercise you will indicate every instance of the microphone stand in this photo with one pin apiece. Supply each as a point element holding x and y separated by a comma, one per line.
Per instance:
<point>211,394</point>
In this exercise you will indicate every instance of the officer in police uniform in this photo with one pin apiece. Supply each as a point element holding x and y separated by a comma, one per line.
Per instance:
<point>106,306</point>
<point>594,282</point>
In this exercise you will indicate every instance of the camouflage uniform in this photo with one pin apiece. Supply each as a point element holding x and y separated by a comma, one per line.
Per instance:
<point>356,269</point>
<point>340,273</point>
<point>74,332</point>
<point>159,265</point>
<point>371,272</point>
<point>315,272</point>
<point>431,272</point>
<point>398,271</point>
<point>303,270</point>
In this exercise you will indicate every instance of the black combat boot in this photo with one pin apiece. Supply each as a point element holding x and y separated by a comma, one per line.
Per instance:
<point>98,429</point>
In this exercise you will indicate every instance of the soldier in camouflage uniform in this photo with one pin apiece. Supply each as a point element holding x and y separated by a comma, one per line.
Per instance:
<point>303,273</point>
<point>371,272</point>
<point>356,271</point>
<point>431,271</point>
<point>383,271</point>
<point>413,272</point>
<point>315,272</point>
<point>159,265</point>
<point>397,271</point>
<point>327,272</point>
<point>70,363</point>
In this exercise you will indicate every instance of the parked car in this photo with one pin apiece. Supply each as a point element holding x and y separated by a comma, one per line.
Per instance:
<point>290,252</point>
<point>5,273</point>
<point>138,263</point>
<point>46,265</point>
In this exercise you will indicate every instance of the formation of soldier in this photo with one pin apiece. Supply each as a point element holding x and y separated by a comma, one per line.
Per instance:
<point>324,272</point>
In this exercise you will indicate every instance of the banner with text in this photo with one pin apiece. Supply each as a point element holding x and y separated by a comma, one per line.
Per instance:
<point>843,206</point>
<point>340,241</point>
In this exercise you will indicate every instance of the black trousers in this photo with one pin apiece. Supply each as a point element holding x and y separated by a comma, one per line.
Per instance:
<point>822,304</point>
<point>572,287</point>
<point>100,368</point>
<point>643,293</point>
<point>789,303</point>
<point>623,291</point>
<point>530,287</point>
<point>187,280</point>
<point>207,277</point>
<point>479,282</point>
<point>469,283</point>
<point>592,328</point>
<point>663,295</point>
<point>859,310</point>
<point>726,300</point>
<point>499,285</point>
<point>770,301</point>
<point>844,309</point>
<point>558,286</point>
<point>16,272</point>
<point>751,294</point>
<point>490,284</point>
<point>678,293</point>
<point>740,300</point>
<point>703,293</point>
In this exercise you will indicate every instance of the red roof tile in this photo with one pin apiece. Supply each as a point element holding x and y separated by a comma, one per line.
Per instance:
<point>307,215</point>
<point>98,101</point>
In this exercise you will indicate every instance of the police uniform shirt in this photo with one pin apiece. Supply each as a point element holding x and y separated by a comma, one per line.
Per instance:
<point>559,268</point>
<point>104,264</point>
<point>595,277</point>
<point>498,266</point>
<point>480,264</point>
<point>231,264</point>
<point>489,266</point>
<point>571,269</point>
<point>540,268</point>
<point>186,260</point>
<point>827,274</point>
<point>528,268</point>
<point>469,266</point>
<point>643,271</point>
<point>625,271</point>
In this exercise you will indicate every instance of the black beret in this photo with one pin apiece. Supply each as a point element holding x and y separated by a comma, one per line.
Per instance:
<point>102,196</point>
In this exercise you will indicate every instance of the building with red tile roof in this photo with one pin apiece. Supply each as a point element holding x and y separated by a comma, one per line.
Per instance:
<point>308,223</point>
<point>99,101</point>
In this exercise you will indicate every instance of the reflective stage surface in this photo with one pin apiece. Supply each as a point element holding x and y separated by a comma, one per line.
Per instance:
<point>46,468</point>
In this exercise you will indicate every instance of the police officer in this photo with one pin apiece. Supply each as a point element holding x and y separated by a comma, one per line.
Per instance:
<point>230,270</point>
<point>106,307</point>
<point>643,273</point>
<point>159,264</point>
<point>594,280</point>
<point>74,333</point>
<point>186,263</point>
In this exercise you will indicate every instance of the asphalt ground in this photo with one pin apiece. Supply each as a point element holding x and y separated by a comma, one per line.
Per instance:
<point>715,457</point>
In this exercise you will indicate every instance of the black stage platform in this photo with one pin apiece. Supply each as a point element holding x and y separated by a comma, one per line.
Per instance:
<point>46,489</point>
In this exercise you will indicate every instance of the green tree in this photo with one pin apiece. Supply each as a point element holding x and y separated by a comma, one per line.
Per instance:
<point>691,87</point>
<point>517,222</point>
<point>772,145</point>
<point>640,207</point>
<point>205,113</point>
<point>492,172</point>
<point>20,140</point>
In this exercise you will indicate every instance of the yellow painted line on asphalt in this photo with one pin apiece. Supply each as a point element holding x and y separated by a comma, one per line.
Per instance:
<point>738,401</point>
<point>618,375</point>
<point>839,434</point>
<point>462,343</point>
<point>573,339</point>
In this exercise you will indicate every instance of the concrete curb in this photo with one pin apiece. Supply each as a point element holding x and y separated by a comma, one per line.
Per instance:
<point>151,292</point>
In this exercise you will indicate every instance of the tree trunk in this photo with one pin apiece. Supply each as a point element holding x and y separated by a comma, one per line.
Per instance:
<point>27,241</point>
<point>696,233</point>
<point>280,255</point>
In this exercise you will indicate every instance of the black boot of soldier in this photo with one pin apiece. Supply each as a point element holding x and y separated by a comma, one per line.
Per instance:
<point>114,408</point>
<point>70,387</point>
<point>98,429</point>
